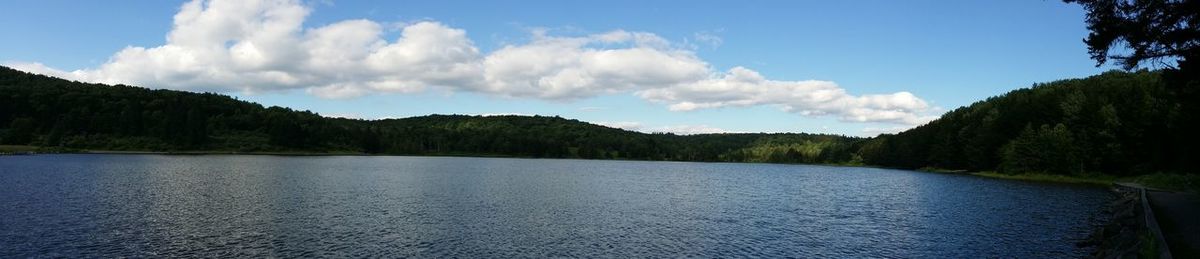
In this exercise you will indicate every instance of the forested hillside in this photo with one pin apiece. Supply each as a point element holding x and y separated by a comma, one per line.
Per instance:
<point>50,112</point>
<point>1117,123</point>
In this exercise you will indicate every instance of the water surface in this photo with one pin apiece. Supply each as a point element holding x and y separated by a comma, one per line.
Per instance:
<point>219,205</point>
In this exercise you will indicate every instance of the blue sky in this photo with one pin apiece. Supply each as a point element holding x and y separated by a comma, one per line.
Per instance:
<point>756,59</point>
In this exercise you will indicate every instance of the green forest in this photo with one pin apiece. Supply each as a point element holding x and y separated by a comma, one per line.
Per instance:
<point>49,112</point>
<point>1116,123</point>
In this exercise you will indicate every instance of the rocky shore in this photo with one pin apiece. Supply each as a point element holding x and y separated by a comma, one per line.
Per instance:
<point>1126,234</point>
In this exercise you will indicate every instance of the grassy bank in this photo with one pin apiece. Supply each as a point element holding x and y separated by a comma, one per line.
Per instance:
<point>1170,182</point>
<point>17,148</point>
<point>1052,178</point>
<point>1163,181</point>
<point>943,170</point>
<point>25,149</point>
<point>221,152</point>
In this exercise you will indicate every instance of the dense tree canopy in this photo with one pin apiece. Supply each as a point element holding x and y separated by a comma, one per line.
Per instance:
<point>1151,30</point>
<point>45,111</point>
<point>1117,123</point>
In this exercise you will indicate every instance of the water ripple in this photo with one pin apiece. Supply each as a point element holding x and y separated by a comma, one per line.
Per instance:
<point>267,206</point>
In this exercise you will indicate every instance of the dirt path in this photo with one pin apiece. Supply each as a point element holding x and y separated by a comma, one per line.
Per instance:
<point>1179,216</point>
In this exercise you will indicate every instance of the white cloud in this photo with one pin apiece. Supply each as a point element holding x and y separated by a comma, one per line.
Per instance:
<point>571,67</point>
<point>689,129</point>
<point>427,53</point>
<point>338,91</point>
<point>38,68</point>
<point>254,46</point>
<point>875,131</point>
<point>506,114</point>
<point>626,125</point>
<point>741,87</point>
<point>708,38</point>
<point>677,129</point>
<point>351,115</point>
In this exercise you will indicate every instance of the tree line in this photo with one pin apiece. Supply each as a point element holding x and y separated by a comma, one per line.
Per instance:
<point>50,112</point>
<point>1116,123</point>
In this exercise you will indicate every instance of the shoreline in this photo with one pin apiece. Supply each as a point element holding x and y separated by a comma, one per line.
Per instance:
<point>1099,180</point>
<point>266,153</point>
<point>1161,181</point>
<point>34,150</point>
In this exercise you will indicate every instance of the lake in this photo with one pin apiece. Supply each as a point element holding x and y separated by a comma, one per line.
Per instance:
<point>357,206</point>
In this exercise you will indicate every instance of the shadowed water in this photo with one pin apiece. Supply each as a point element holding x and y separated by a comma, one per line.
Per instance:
<point>218,206</point>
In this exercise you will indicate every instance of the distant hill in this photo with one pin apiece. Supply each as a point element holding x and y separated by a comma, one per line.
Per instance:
<point>1117,123</point>
<point>50,112</point>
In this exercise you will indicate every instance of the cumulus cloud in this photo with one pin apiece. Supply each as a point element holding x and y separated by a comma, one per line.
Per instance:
<point>689,129</point>
<point>874,131</point>
<point>254,46</point>
<point>741,87</point>
<point>259,46</point>
<point>506,114</point>
<point>677,129</point>
<point>574,67</point>
<point>217,46</point>
<point>350,115</point>
<point>625,125</point>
